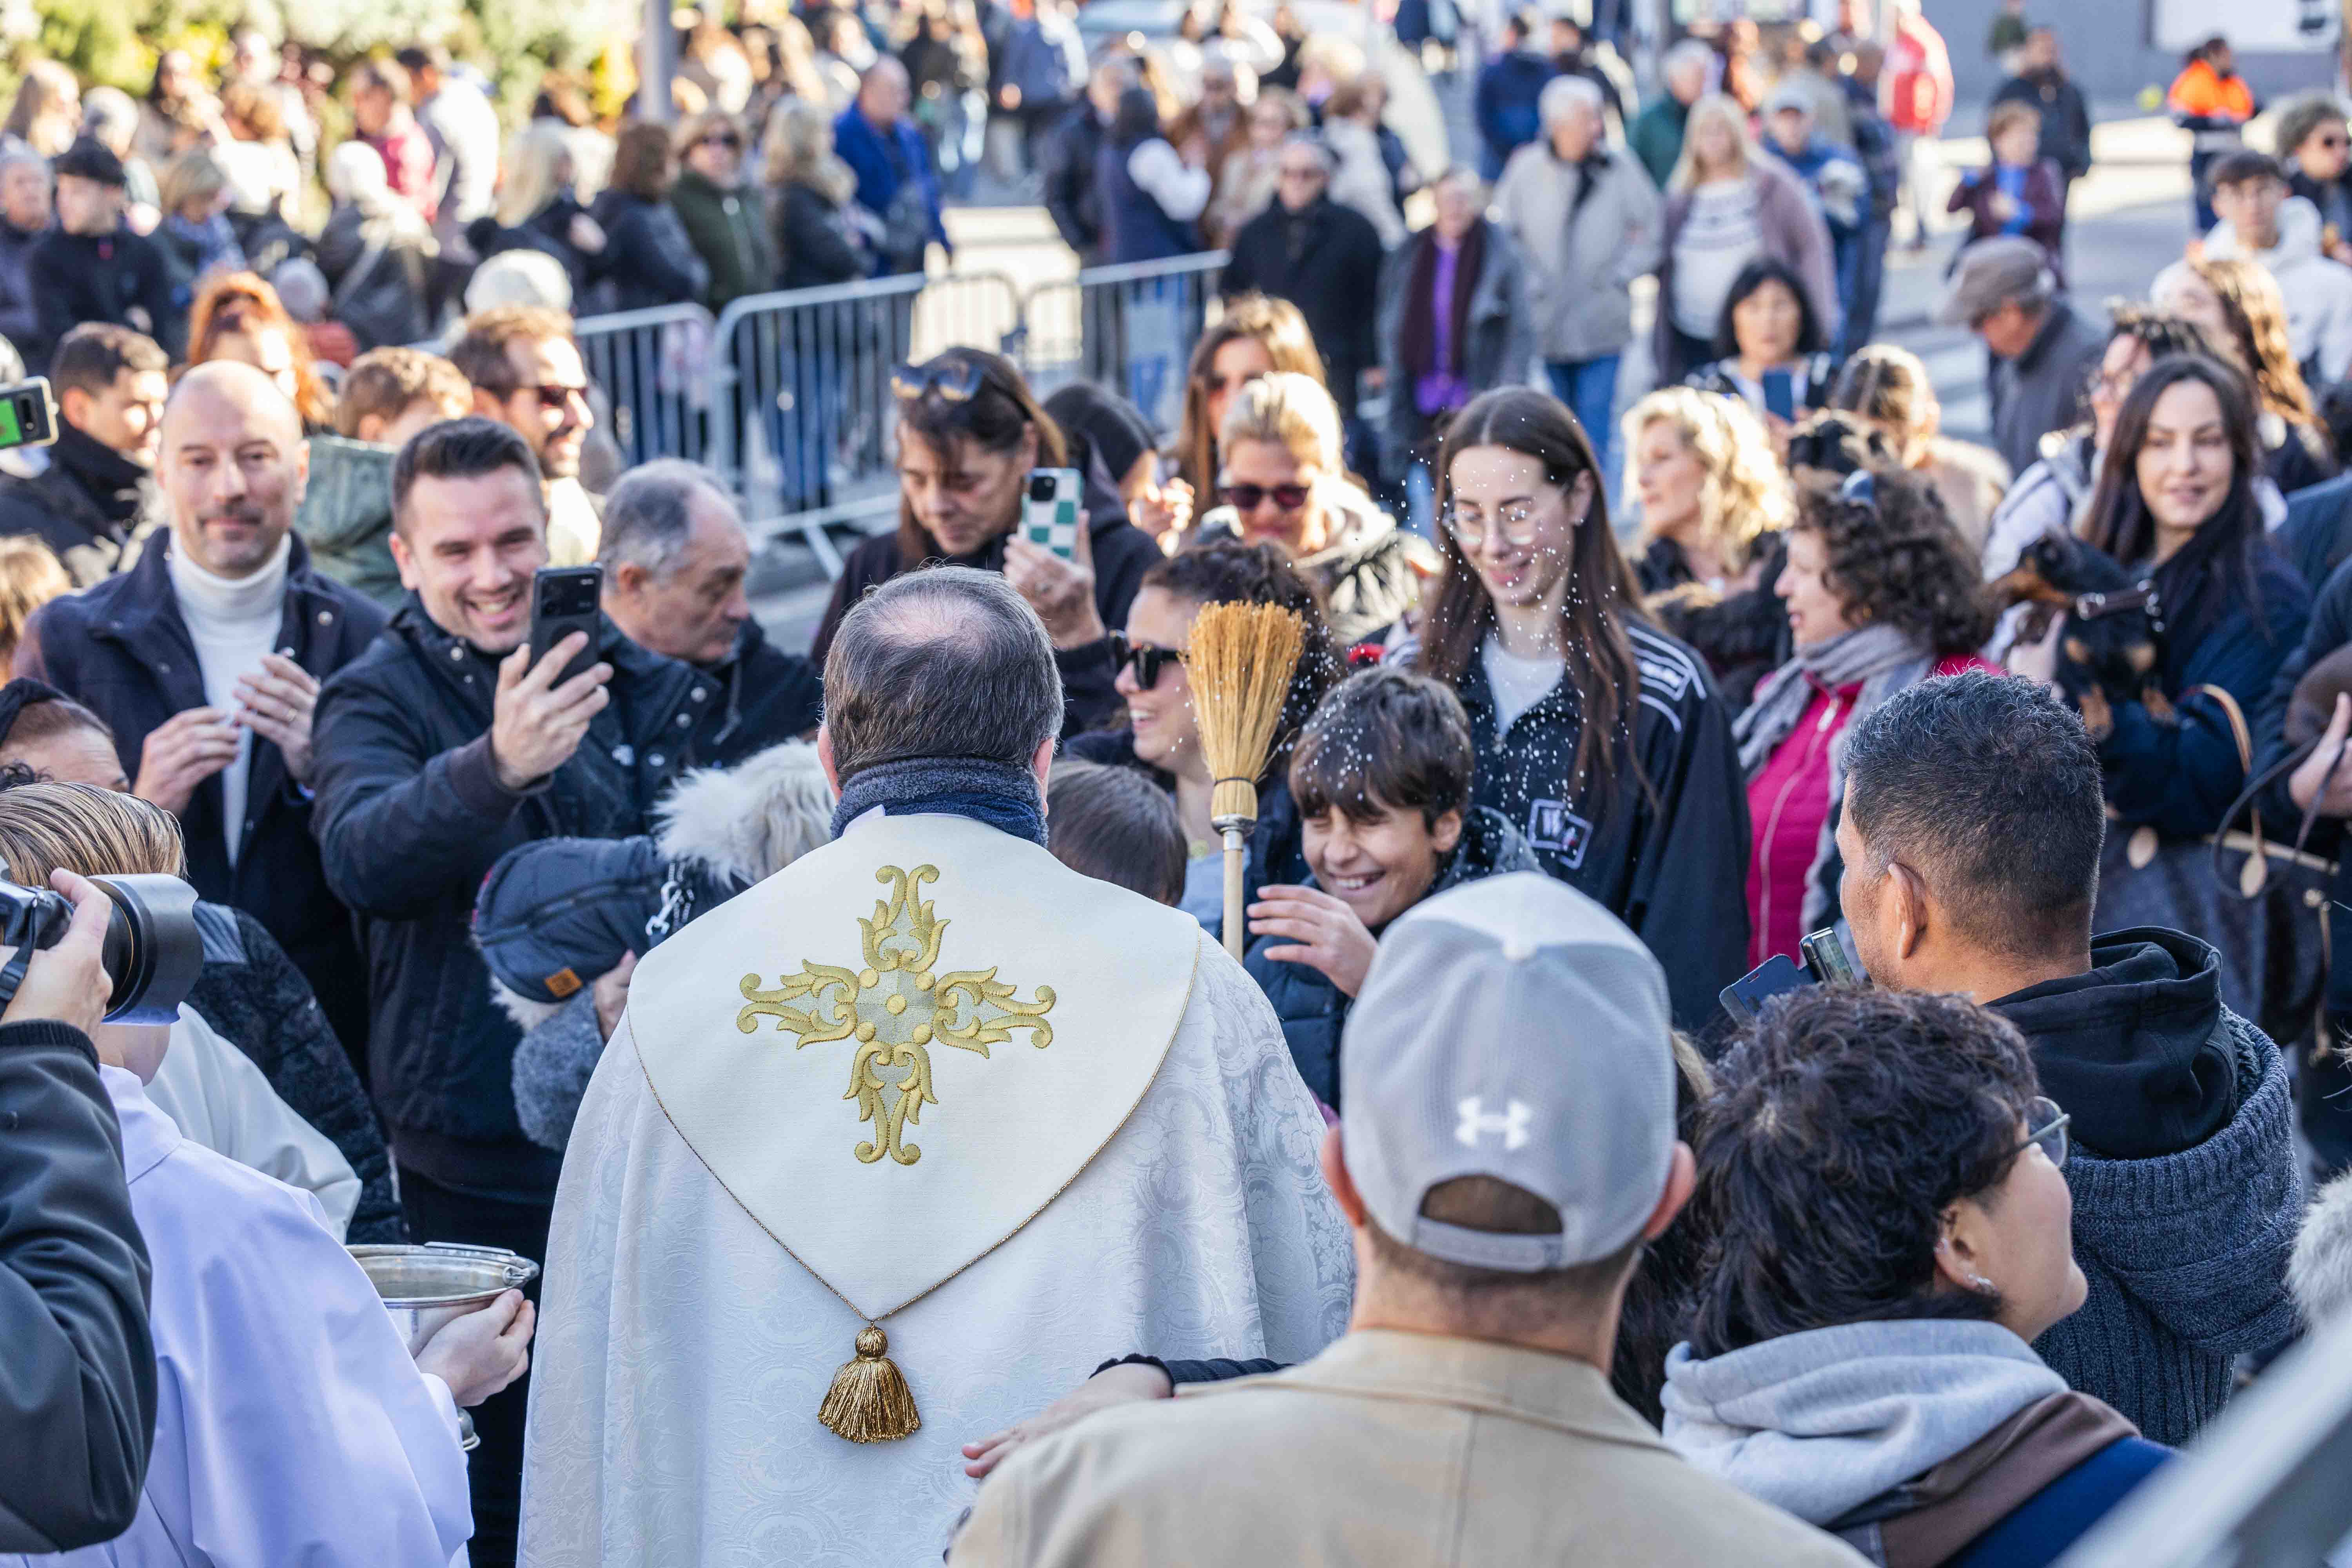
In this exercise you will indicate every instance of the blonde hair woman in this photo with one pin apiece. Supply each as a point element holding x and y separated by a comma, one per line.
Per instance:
<point>1246,186</point>
<point>46,111</point>
<point>1726,205</point>
<point>1709,488</point>
<point>1888,388</point>
<point>196,232</point>
<point>1283,481</point>
<point>810,200</point>
<point>536,198</point>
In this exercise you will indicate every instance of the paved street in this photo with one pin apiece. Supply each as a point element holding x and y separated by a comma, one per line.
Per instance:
<point>2129,217</point>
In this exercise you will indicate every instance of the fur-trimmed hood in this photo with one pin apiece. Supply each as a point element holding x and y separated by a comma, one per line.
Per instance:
<point>555,914</point>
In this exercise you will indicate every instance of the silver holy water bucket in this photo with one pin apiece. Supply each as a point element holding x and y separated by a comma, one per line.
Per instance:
<point>424,1288</point>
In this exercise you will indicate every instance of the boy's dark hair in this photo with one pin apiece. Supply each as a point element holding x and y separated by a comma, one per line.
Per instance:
<point>2244,164</point>
<point>1384,739</point>
<point>1115,825</point>
<point>1988,787</point>
<point>1227,572</point>
<point>91,355</point>
<point>1920,1097</point>
<point>463,449</point>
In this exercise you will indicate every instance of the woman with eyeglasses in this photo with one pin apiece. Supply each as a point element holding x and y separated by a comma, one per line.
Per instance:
<point>1597,736</point>
<point>2315,145</point>
<point>1282,480</point>
<point>1255,336</point>
<point>970,431</point>
<point>1861,1348</point>
<point>1882,592</point>
<point>1162,733</point>
<point>723,214</point>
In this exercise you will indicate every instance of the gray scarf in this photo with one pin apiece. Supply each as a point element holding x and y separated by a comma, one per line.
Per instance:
<point>1883,659</point>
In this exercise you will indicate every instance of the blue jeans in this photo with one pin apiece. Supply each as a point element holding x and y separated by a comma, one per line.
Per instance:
<point>1589,387</point>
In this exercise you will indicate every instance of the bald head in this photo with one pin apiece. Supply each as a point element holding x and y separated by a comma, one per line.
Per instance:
<point>233,464</point>
<point>943,663</point>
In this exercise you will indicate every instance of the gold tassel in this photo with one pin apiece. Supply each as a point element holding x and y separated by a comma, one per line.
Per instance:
<point>869,1401</point>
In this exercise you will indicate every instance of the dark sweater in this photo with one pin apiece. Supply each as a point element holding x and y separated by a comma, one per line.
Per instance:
<point>2184,1239</point>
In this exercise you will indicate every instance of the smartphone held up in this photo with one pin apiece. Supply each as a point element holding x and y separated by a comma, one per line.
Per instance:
<point>564,600</point>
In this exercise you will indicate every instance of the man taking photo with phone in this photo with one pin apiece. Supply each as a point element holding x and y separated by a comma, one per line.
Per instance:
<point>443,746</point>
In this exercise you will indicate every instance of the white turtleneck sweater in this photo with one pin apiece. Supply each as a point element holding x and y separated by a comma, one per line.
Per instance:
<point>233,622</point>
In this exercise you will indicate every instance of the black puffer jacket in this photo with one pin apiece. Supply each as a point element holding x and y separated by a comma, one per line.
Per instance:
<point>1313,1011</point>
<point>410,816</point>
<point>78,1402</point>
<point>123,650</point>
<point>254,997</point>
<point>648,258</point>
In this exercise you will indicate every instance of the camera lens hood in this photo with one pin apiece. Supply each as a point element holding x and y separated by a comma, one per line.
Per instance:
<point>154,950</point>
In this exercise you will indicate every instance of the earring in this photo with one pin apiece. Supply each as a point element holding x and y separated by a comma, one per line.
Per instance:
<point>1982,1286</point>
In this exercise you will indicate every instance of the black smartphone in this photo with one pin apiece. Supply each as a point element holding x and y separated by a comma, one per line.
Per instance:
<point>28,415</point>
<point>564,600</point>
<point>1745,997</point>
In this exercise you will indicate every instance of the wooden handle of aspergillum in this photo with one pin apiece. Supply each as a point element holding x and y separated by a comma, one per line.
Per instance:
<point>1236,865</point>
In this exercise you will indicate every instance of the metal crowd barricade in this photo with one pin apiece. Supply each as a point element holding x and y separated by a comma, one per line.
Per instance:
<point>801,424</point>
<point>787,398</point>
<point>1130,327</point>
<point>654,365</point>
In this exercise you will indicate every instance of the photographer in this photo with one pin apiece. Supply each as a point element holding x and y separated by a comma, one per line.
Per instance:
<point>438,749</point>
<point>78,1402</point>
<point>1971,835</point>
<point>294,1422</point>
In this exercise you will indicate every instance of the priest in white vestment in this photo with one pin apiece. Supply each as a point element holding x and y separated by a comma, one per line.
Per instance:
<point>924,1097</point>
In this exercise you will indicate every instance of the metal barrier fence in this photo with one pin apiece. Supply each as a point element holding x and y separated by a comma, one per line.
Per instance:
<point>656,368</point>
<point>787,397</point>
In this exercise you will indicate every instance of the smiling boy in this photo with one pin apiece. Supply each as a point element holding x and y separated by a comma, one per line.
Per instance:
<point>1382,777</point>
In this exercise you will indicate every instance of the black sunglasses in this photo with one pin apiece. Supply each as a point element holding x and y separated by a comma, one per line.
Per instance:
<point>950,376</point>
<point>727,138</point>
<point>1249,497</point>
<point>556,394</point>
<point>1150,662</point>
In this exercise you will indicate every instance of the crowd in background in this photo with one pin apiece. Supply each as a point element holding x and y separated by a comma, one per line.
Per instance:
<point>274,580</point>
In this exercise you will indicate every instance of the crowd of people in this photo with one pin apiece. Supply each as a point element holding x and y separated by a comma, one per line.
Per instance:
<point>1507,1156</point>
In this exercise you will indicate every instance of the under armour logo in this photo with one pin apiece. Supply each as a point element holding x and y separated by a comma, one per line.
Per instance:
<point>1475,1124</point>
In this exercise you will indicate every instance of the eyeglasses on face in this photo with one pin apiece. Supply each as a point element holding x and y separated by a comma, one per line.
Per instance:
<point>1302,171</point>
<point>1517,522</point>
<point>552,394</point>
<point>1150,662</point>
<point>727,138</point>
<point>952,376</point>
<point>1249,497</point>
<point>2046,1130</point>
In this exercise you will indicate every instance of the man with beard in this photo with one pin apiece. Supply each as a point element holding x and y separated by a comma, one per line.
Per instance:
<point>205,659</point>
<point>527,374</point>
<point>96,503</point>
<point>440,748</point>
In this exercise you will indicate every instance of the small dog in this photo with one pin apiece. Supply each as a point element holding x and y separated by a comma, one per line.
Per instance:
<point>2108,651</point>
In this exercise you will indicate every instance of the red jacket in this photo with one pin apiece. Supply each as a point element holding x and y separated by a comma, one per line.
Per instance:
<point>408,165</point>
<point>1787,802</point>
<point>1918,79</point>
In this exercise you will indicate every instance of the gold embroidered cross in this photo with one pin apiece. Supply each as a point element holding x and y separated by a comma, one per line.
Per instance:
<point>894,1008</point>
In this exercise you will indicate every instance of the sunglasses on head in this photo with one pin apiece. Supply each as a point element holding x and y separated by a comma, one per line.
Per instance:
<point>952,376</point>
<point>1249,497</point>
<point>1150,662</point>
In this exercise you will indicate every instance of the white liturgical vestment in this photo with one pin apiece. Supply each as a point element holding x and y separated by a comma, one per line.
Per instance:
<point>1070,1130</point>
<point>292,1424</point>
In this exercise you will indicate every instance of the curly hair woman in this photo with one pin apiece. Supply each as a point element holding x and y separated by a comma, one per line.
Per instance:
<point>2238,307</point>
<point>1866,1320</point>
<point>1162,733</point>
<point>1882,594</point>
<point>1888,388</point>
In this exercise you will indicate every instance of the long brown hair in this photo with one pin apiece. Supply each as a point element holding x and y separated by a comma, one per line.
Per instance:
<point>1000,409</point>
<point>1276,323</point>
<point>2256,312</point>
<point>2217,564</point>
<point>1601,594</point>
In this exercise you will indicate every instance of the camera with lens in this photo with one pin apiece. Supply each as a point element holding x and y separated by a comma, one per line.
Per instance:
<point>154,950</point>
<point>1828,960</point>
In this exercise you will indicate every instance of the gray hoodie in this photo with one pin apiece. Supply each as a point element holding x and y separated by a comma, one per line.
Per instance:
<point>1820,1422</point>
